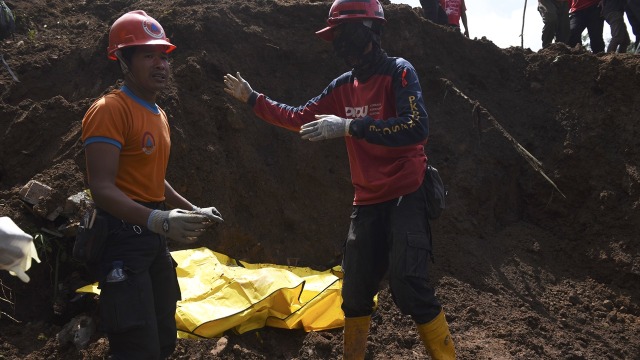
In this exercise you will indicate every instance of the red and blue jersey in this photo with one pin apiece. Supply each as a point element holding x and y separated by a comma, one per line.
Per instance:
<point>390,127</point>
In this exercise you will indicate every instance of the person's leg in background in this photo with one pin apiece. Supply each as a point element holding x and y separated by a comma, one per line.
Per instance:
<point>563,29</point>
<point>619,36</point>
<point>577,24</point>
<point>549,13</point>
<point>430,9</point>
<point>595,26</point>
<point>632,9</point>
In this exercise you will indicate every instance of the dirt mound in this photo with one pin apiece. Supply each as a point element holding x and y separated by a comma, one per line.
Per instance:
<point>526,270</point>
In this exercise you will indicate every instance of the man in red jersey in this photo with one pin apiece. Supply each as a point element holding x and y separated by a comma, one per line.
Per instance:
<point>378,109</point>
<point>456,10</point>
<point>586,14</point>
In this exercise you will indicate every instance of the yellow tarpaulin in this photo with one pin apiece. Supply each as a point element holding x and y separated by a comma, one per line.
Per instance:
<point>220,293</point>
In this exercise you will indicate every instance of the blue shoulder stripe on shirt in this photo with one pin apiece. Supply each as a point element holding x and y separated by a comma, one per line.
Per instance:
<point>102,139</point>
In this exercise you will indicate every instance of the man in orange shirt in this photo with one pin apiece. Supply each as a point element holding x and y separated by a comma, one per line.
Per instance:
<point>126,142</point>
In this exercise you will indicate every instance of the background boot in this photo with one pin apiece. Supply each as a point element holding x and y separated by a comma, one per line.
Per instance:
<point>437,339</point>
<point>356,330</point>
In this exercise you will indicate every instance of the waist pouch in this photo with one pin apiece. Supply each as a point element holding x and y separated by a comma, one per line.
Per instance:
<point>91,238</point>
<point>435,192</point>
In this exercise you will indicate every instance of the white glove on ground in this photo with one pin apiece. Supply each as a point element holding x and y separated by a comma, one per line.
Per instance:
<point>16,249</point>
<point>326,127</point>
<point>177,224</point>
<point>237,87</point>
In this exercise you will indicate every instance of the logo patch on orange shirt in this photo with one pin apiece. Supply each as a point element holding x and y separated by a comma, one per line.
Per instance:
<point>148,143</point>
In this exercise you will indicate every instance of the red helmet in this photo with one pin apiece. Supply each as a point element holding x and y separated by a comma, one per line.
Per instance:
<point>351,10</point>
<point>136,28</point>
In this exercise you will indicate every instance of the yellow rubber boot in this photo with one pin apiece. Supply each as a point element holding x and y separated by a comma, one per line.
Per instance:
<point>356,331</point>
<point>437,339</point>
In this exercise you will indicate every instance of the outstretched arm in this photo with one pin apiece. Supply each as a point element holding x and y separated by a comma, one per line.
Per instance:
<point>273,112</point>
<point>237,87</point>
<point>464,22</point>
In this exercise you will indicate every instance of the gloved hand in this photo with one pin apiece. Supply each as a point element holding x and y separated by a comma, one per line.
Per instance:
<point>210,212</point>
<point>237,87</point>
<point>9,255</point>
<point>177,224</point>
<point>326,127</point>
<point>16,249</point>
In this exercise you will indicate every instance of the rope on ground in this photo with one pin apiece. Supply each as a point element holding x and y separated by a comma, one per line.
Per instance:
<point>480,110</point>
<point>5,298</point>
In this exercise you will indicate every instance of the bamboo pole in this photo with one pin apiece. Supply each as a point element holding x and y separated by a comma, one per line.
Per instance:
<point>524,12</point>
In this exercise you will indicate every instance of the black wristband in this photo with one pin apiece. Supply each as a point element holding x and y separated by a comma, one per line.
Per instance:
<point>356,128</point>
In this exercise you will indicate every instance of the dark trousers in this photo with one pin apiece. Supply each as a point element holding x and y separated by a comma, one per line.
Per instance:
<point>555,19</point>
<point>632,8</point>
<point>619,36</point>
<point>613,12</point>
<point>434,12</point>
<point>591,20</point>
<point>393,236</point>
<point>138,314</point>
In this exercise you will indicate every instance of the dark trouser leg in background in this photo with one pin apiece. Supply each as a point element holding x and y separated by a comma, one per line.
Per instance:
<point>549,13</point>
<point>619,36</point>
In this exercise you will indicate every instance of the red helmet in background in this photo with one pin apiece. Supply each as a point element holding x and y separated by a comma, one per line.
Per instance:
<point>136,28</point>
<point>351,10</point>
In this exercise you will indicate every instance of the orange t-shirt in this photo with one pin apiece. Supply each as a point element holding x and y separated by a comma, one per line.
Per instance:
<point>141,131</point>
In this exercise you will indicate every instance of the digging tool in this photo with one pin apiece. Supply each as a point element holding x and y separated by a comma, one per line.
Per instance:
<point>15,78</point>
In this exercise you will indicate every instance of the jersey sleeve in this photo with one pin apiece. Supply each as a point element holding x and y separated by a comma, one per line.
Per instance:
<point>105,121</point>
<point>290,117</point>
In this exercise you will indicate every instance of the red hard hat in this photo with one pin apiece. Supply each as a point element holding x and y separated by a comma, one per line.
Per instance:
<point>351,10</point>
<point>136,28</point>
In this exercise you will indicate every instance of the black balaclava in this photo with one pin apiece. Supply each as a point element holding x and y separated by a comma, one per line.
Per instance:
<point>351,44</point>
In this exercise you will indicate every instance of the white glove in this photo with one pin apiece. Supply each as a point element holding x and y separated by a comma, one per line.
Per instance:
<point>16,249</point>
<point>326,127</point>
<point>177,224</point>
<point>210,212</point>
<point>238,87</point>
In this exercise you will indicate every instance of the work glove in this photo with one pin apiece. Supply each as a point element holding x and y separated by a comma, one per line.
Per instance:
<point>326,127</point>
<point>9,254</point>
<point>177,224</point>
<point>16,249</point>
<point>210,212</point>
<point>237,87</point>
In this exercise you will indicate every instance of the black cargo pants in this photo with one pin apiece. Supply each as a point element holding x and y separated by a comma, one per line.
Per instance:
<point>393,236</point>
<point>138,314</point>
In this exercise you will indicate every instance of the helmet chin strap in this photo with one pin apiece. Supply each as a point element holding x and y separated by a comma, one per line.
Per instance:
<point>128,75</point>
<point>123,64</point>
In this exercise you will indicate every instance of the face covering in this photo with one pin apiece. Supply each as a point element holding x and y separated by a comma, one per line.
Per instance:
<point>351,42</point>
